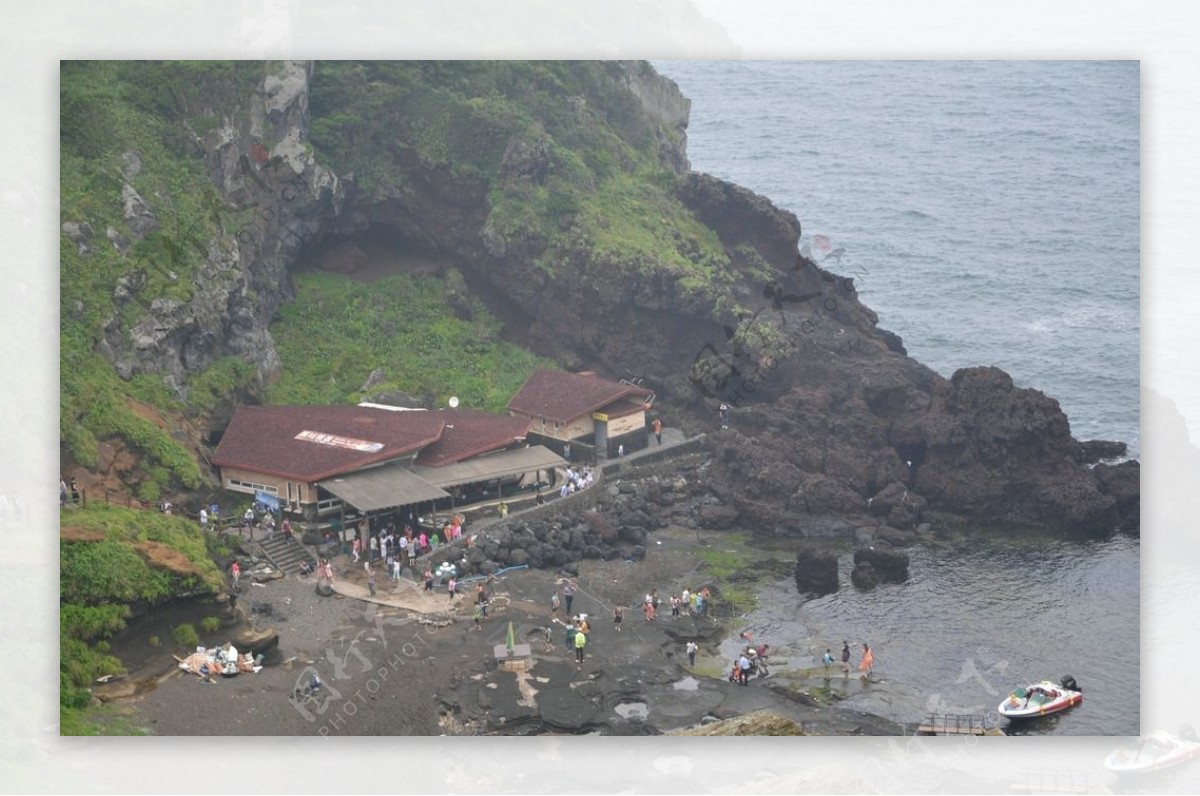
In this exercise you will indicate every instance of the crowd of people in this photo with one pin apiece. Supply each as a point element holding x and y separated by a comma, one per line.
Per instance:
<point>398,549</point>
<point>576,480</point>
<point>694,602</point>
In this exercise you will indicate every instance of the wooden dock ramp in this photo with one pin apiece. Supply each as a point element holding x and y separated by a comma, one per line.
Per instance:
<point>957,724</point>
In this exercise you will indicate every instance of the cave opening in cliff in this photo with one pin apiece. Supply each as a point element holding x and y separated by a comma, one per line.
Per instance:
<point>375,253</point>
<point>383,250</point>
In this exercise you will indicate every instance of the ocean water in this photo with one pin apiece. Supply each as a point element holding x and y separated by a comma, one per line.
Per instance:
<point>988,210</point>
<point>989,213</point>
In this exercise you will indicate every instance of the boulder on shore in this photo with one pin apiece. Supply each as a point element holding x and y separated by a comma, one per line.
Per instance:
<point>889,564</point>
<point>816,571</point>
<point>864,576</point>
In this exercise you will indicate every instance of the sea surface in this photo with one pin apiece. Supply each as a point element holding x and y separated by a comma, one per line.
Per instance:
<point>989,213</point>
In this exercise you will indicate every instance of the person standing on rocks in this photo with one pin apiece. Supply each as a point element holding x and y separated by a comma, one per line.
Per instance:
<point>203,519</point>
<point>827,659</point>
<point>370,580</point>
<point>658,427</point>
<point>453,588</point>
<point>580,642</point>
<point>692,647</point>
<point>235,572</point>
<point>846,658</point>
<point>868,661</point>
<point>568,595</point>
<point>429,580</point>
<point>743,664</point>
<point>648,610</point>
<point>554,603</point>
<point>618,615</point>
<point>477,616</point>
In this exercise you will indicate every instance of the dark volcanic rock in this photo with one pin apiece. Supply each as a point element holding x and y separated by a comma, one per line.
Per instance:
<point>864,576</point>
<point>1123,482</point>
<point>994,451</point>
<point>895,537</point>
<point>560,705</point>
<point>1097,450</point>
<point>719,517</point>
<point>890,565</point>
<point>816,571</point>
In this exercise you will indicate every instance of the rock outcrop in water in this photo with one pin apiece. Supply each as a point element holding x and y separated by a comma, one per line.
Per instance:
<point>885,564</point>
<point>816,571</point>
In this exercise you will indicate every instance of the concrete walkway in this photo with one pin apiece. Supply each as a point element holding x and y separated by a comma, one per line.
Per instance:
<point>405,594</point>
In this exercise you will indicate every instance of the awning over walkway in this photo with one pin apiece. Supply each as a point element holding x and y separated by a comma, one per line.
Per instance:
<point>496,465</point>
<point>383,488</point>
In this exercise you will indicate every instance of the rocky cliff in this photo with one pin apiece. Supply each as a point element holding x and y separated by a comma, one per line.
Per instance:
<point>562,195</point>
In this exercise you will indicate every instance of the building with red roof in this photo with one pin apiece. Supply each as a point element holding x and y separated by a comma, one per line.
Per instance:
<point>584,411</point>
<point>310,458</point>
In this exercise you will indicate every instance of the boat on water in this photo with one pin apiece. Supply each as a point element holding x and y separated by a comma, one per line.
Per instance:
<point>1154,752</point>
<point>1041,699</point>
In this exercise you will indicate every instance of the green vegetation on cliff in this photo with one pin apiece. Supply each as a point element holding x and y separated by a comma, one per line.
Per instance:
<point>109,558</point>
<point>570,160</point>
<point>562,158</point>
<point>134,124</point>
<point>337,331</point>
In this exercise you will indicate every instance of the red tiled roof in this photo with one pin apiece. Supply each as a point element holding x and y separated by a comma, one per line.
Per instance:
<point>469,433</point>
<point>264,439</point>
<point>560,396</point>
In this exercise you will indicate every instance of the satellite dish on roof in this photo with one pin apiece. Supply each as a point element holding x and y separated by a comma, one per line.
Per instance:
<point>453,402</point>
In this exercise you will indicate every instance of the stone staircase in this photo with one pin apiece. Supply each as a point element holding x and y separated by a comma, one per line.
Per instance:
<point>285,556</point>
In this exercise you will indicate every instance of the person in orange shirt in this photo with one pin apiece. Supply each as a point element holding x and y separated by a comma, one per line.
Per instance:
<point>868,661</point>
<point>658,426</point>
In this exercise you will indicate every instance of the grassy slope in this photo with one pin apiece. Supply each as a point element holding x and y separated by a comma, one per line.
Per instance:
<point>337,331</point>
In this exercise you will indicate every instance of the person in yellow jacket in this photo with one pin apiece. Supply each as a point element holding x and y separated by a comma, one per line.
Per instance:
<point>580,642</point>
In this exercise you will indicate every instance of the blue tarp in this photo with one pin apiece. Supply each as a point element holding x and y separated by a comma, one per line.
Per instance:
<point>267,500</point>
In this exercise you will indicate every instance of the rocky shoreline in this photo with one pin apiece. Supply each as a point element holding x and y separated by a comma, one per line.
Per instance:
<point>414,665</point>
<point>398,671</point>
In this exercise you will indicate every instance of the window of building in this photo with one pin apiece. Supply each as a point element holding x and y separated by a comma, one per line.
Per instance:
<point>239,485</point>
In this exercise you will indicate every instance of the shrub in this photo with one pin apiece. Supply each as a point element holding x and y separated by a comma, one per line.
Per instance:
<point>210,624</point>
<point>186,636</point>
